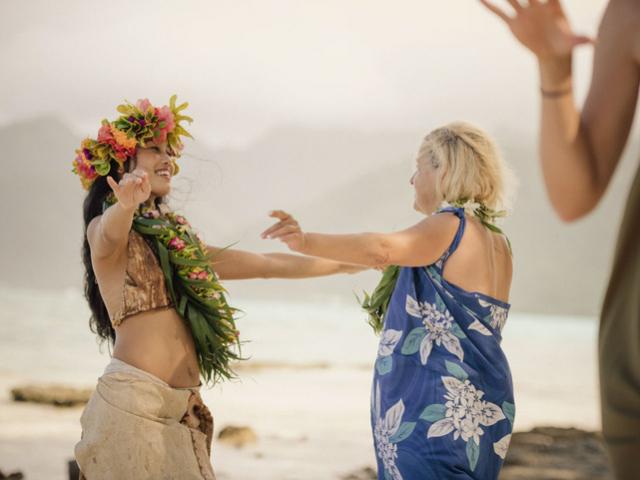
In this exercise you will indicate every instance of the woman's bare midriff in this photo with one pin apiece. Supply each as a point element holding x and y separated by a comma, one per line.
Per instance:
<point>159,342</point>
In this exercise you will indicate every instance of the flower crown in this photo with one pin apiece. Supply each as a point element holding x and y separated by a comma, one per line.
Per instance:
<point>138,125</point>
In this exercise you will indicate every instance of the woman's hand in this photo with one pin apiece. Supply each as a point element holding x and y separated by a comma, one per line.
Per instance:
<point>541,26</point>
<point>287,230</point>
<point>133,189</point>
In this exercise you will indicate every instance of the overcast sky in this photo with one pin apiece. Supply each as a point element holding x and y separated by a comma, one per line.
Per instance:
<point>247,66</point>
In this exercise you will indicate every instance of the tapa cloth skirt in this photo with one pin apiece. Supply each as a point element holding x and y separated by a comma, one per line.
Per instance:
<point>136,426</point>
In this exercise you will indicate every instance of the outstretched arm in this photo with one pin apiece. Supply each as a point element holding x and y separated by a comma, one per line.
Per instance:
<point>108,233</point>
<point>231,264</point>
<point>580,150</point>
<point>421,244</point>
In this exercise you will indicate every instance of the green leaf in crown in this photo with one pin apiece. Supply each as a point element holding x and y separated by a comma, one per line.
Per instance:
<point>195,290</point>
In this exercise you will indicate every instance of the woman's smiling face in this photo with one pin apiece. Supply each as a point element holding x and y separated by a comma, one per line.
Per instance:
<point>156,160</point>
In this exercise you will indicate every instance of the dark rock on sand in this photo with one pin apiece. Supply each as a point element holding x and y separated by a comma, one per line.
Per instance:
<point>237,436</point>
<point>73,469</point>
<point>365,473</point>
<point>544,453</point>
<point>550,453</point>
<point>11,476</point>
<point>58,395</point>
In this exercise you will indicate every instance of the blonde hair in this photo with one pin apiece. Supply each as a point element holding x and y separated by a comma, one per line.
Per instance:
<point>469,166</point>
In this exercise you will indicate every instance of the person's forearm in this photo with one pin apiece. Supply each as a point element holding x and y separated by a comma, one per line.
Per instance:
<point>567,164</point>
<point>283,265</point>
<point>231,264</point>
<point>115,224</point>
<point>367,249</point>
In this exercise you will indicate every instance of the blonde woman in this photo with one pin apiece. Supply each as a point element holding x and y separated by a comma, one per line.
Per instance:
<point>442,398</point>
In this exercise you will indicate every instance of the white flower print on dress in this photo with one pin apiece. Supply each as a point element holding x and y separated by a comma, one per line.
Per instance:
<point>479,327</point>
<point>438,328</point>
<point>388,341</point>
<point>501,446</point>
<point>497,316</point>
<point>464,413</point>
<point>387,432</point>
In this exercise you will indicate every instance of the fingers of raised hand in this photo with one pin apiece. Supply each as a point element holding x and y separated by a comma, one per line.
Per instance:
<point>285,219</point>
<point>515,4</point>
<point>582,40</point>
<point>113,184</point>
<point>129,179</point>
<point>268,233</point>
<point>141,174</point>
<point>136,178</point>
<point>496,10</point>
<point>285,230</point>
<point>279,214</point>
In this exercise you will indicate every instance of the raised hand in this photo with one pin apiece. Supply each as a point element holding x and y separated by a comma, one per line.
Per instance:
<point>287,230</point>
<point>541,26</point>
<point>133,189</point>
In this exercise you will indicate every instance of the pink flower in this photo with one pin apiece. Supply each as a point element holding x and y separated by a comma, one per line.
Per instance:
<point>121,146</point>
<point>166,123</point>
<point>198,274</point>
<point>84,168</point>
<point>104,134</point>
<point>143,105</point>
<point>181,220</point>
<point>151,214</point>
<point>176,243</point>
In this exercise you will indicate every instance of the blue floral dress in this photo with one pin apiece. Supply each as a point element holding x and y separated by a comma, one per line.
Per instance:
<point>442,402</point>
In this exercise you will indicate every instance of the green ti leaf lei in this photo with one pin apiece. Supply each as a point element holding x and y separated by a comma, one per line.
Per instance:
<point>377,304</point>
<point>193,286</point>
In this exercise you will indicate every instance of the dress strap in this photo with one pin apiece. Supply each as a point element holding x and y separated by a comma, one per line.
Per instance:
<point>459,212</point>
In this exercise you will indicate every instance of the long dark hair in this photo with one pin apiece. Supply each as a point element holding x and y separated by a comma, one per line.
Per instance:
<point>99,322</point>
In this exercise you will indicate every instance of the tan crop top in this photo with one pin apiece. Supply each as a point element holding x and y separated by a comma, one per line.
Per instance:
<point>144,286</point>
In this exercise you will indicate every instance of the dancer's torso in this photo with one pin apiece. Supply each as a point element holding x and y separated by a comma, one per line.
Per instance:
<point>150,334</point>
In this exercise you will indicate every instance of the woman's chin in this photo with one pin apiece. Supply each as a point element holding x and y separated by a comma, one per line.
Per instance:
<point>161,190</point>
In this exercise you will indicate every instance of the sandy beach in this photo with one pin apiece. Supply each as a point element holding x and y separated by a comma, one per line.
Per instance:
<point>305,390</point>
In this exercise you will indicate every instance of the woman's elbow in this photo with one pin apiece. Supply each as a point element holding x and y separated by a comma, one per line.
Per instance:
<point>381,254</point>
<point>572,210</point>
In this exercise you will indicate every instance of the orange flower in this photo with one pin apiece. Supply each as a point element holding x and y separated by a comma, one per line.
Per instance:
<point>122,139</point>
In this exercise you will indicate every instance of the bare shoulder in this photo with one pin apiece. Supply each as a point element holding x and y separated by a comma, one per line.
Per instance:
<point>92,229</point>
<point>103,249</point>
<point>438,231</point>
<point>421,244</point>
<point>440,226</point>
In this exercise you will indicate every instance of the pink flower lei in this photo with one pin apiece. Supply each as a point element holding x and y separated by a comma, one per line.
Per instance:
<point>193,285</point>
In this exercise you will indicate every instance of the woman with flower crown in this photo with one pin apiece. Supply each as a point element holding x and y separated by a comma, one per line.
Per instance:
<point>442,402</point>
<point>153,287</point>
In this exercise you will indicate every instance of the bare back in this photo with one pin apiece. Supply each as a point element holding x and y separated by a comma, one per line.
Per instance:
<point>481,263</point>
